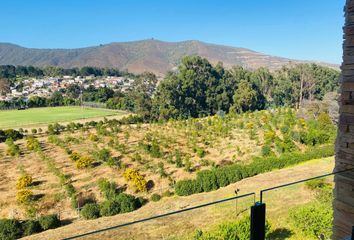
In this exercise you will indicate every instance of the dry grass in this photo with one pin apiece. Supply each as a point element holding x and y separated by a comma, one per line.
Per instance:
<point>182,225</point>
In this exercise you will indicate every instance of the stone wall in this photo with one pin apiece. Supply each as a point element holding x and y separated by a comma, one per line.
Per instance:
<point>344,183</point>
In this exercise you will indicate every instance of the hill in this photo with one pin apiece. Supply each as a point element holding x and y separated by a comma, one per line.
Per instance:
<point>139,56</point>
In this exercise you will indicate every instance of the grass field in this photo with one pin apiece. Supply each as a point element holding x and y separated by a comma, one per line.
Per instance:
<point>37,116</point>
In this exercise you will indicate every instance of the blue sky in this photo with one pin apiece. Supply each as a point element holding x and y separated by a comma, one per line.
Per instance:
<point>300,29</point>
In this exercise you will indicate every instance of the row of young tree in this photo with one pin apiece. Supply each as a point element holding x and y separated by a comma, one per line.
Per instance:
<point>11,72</point>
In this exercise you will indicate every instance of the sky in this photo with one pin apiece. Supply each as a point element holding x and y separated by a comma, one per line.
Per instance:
<point>298,29</point>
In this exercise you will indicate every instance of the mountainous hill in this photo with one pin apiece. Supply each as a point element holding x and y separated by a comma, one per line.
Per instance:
<point>139,56</point>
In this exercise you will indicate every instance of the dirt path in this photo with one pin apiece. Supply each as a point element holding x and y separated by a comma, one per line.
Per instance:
<point>169,227</point>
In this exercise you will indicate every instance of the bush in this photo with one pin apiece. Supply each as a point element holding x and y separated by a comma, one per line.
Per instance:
<point>167,194</point>
<point>313,220</point>
<point>75,156</point>
<point>102,155</point>
<point>84,162</point>
<point>24,196</point>
<point>229,230</point>
<point>155,197</point>
<point>10,229</point>
<point>128,203</point>
<point>109,208</point>
<point>10,133</point>
<point>32,144</point>
<point>49,221</point>
<point>24,181</point>
<point>12,148</point>
<point>267,150</point>
<point>90,211</point>
<point>108,189</point>
<point>138,180</point>
<point>187,187</point>
<point>201,152</point>
<point>31,227</point>
<point>208,180</point>
<point>93,137</point>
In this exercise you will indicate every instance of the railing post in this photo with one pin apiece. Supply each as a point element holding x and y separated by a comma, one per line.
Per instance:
<point>258,221</point>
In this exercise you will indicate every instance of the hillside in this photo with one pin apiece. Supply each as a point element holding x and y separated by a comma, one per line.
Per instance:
<point>109,162</point>
<point>139,56</point>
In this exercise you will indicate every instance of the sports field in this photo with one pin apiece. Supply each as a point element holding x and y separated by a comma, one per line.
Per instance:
<point>40,116</point>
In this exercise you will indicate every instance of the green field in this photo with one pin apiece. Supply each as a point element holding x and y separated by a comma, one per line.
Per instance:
<point>40,116</point>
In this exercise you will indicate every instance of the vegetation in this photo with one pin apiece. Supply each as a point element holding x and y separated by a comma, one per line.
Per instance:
<point>90,211</point>
<point>315,219</point>
<point>229,230</point>
<point>139,182</point>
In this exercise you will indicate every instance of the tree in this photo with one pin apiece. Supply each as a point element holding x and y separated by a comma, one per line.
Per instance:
<point>247,98</point>
<point>4,87</point>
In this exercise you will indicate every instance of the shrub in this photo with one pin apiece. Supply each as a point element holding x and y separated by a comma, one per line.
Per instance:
<point>90,211</point>
<point>267,150</point>
<point>75,156</point>
<point>155,197</point>
<point>12,149</point>
<point>229,230</point>
<point>24,181</point>
<point>31,227</point>
<point>138,180</point>
<point>102,155</point>
<point>24,196</point>
<point>49,221</point>
<point>313,220</point>
<point>315,184</point>
<point>10,133</point>
<point>109,208</point>
<point>32,144</point>
<point>108,189</point>
<point>127,202</point>
<point>93,137</point>
<point>201,152</point>
<point>208,180</point>
<point>10,229</point>
<point>167,194</point>
<point>187,187</point>
<point>84,162</point>
<point>34,131</point>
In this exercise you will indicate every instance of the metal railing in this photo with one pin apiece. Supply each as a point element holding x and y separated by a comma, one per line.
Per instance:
<point>163,215</point>
<point>258,211</point>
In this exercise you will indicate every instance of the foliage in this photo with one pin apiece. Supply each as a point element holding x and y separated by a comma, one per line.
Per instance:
<point>31,227</point>
<point>90,211</point>
<point>49,221</point>
<point>208,180</point>
<point>313,220</point>
<point>109,208</point>
<point>24,181</point>
<point>138,180</point>
<point>155,197</point>
<point>239,230</point>
<point>10,229</point>
<point>32,144</point>
<point>84,162</point>
<point>10,134</point>
<point>12,148</point>
<point>24,196</point>
<point>108,189</point>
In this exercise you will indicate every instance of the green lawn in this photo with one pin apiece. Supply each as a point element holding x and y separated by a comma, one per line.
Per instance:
<point>38,116</point>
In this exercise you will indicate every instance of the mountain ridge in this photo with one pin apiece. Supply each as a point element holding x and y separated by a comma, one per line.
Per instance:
<point>142,55</point>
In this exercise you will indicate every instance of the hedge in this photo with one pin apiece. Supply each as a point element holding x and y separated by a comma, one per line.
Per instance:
<point>208,180</point>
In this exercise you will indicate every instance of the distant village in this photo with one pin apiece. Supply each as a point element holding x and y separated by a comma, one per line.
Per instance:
<point>44,87</point>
